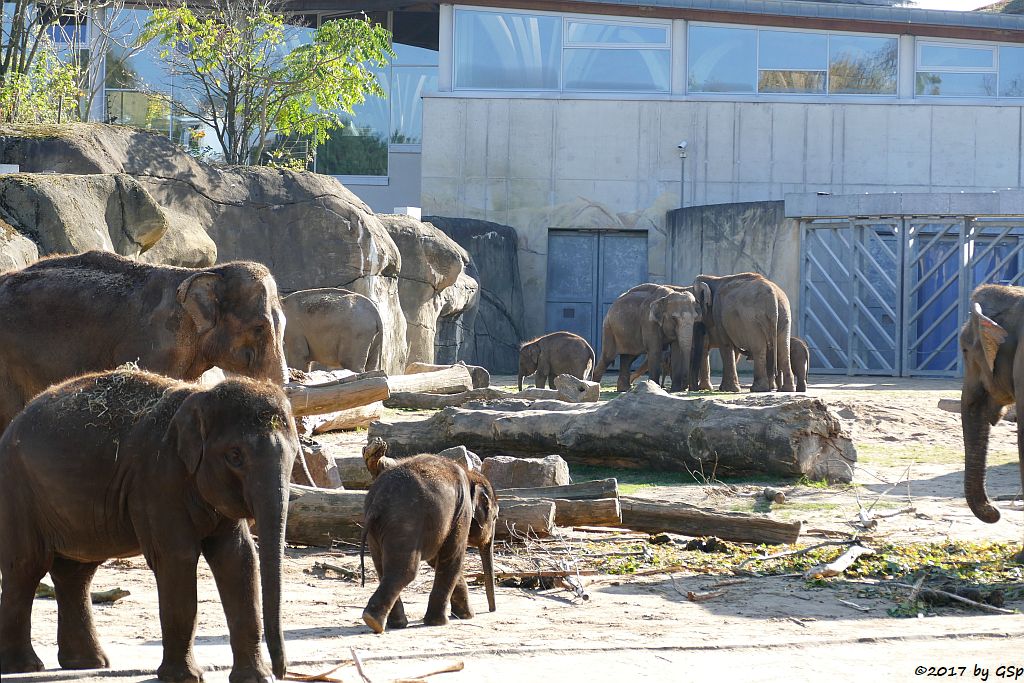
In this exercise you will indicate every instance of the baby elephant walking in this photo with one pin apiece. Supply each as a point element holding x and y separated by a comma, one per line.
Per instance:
<point>117,463</point>
<point>427,508</point>
<point>555,354</point>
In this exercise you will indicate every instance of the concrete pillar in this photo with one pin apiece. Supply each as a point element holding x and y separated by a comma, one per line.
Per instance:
<point>906,79</point>
<point>678,56</point>
<point>445,48</point>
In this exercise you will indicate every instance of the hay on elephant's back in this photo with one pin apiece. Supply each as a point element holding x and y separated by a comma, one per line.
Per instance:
<point>120,397</point>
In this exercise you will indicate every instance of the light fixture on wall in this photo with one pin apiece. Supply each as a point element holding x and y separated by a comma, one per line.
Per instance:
<point>682,172</point>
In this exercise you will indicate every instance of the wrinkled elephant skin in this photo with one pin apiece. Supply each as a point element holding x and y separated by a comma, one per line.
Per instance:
<point>334,327</point>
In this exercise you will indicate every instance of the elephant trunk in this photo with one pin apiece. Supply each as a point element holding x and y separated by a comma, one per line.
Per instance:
<point>520,379</point>
<point>697,353</point>
<point>681,355</point>
<point>487,559</point>
<point>976,432</point>
<point>271,515</point>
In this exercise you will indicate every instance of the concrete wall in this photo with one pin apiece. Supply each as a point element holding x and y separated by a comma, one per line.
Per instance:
<point>536,164</point>
<point>720,239</point>
<point>402,186</point>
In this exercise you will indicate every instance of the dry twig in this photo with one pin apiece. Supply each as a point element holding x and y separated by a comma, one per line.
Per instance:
<point>325,676</point>
<point>800,551</point>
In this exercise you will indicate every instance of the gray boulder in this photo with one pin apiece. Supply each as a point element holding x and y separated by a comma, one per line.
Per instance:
<point>506,472</point>
<point>16,250</point>
<point>499,325</point>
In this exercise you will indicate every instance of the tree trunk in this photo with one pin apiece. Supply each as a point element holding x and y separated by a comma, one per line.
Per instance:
<point>481,378</point>
<point>452,380</point>
<point>600,512</point>
<point>351,418</point>
<point>655,516</point>
<point>341,394</point>
<point>519,518</point>
<point>646,428</point>
<point>317,517</point>
<point>421,401</point>
<point>586,490</point>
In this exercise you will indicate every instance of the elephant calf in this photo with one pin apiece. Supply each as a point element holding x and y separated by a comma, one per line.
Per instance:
<point>427,508</point>
<point>113,464</point>
<point>554,354</point>
<point>334,327</point>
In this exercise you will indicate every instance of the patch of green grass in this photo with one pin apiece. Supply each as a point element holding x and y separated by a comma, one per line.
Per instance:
<point>900,453</point>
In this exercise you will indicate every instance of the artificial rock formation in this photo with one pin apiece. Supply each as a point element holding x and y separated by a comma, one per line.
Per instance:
<point>506,472</point>
<point>499,328</point>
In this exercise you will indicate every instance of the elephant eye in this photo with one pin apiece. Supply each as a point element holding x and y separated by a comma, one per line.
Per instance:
<point>235,457</point>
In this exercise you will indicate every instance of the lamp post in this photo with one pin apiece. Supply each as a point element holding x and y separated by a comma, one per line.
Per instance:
<point>682,172</point>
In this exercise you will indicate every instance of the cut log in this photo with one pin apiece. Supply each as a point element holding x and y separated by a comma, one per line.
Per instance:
<point>316,517</point>
<point>577,390</point>
<point>519,518</point>
<point>353,418</point>
<point>586,490</point>
<point>654,516</point>
<point>452,380</point>
<point>646,428</point>
<point>340,394</point>
<point>481,378</point>
<point>599,512</point>
<point>423,401</point>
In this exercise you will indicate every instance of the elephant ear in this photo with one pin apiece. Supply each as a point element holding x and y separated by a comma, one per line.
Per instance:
<point>702,293</point>
<point>186,435</point>
<point>657,310</point>
<point>485,507</point>
<point>198,296</point>
<point>990,334</point>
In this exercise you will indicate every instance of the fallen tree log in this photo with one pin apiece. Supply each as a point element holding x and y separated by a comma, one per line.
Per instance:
<point>452,380</point>
<point>341,394</point>
<point>481,378</point>
<point>424,401</point>
<point>519,518</point>
<point>648,428</point>
<point>585,490</point>
<point>353,418</point>
<point>598,512</point>
<point>655,516</point>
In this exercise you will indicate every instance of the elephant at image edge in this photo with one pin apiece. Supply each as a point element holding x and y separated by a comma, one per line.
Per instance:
<point>334,327</point>
<point>630,329</point>
<point>993,378</point>
<point>144,463</point>
<point>743,312</point>
<point>554,354</point>
<point>67,315</point>
<point>427,508</point>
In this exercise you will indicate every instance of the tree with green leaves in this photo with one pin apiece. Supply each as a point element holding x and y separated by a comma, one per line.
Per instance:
<point>238,71</point>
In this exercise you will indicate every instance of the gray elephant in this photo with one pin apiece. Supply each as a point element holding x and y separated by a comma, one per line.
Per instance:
<point>114,464</point>
<point>743,312</point>
<point>993,378</point>
<point>548,356</point>
<point>334,327</point>
<point>799,360</point>
<point>67,315</point>
<point>427,508</point>
<point>644,320</point>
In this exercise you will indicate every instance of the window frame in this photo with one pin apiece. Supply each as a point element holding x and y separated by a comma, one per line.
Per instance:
<point>996,69</point>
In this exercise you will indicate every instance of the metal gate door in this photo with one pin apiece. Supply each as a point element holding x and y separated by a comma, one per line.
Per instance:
<point>889,296</point>
<point>587,271</point>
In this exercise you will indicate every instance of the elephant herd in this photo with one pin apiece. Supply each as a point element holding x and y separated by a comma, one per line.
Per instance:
<point>101,459</point>
<point>676,327</point>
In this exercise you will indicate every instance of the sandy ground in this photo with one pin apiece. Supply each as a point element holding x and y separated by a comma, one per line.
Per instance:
<point>644,628</point>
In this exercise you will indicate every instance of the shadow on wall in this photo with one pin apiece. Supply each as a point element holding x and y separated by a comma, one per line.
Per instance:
<point>499,326</point>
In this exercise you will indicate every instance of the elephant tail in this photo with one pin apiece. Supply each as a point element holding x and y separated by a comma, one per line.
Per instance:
<point>362,557</point>
<point>374,357</point>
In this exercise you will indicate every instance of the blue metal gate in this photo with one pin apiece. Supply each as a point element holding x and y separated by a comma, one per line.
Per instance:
<point>587,271</point>
<point>888,296</point>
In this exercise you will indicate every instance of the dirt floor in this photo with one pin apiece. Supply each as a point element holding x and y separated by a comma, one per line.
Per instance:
<point>641,626</point>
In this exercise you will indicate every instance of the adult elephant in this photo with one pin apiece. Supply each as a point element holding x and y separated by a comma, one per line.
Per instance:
<point>643,320</point>
<point>334,327</point>
<point>68,315</point>
<point>742,312</point>
<point>993,378</point>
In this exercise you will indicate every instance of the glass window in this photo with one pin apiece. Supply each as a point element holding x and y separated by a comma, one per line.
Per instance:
<point>862,65</point>
<point>415,37</point>
<point>408,85</point>
<point>509,51</point>
<point>792,62</point>
<point>1011,71</point>
<point>956,84</point>
<point>722,59</point>
<point>606,33</point>
<point>360,147</point>
<point>616,70</point>
<point>938,57</point>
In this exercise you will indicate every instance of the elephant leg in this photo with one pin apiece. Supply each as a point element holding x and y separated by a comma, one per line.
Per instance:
<point>447,573</point>
<point>460,600</point>
<point>176,590</point>
<point>396,569</point>
<point>232,559</point>
<point>397,617</point>
<point>762,380</point>
<point>78,647</point>
<point>730,380</point>
<point>625,360</point>
<point>21,575</point>
<point>784,364</point>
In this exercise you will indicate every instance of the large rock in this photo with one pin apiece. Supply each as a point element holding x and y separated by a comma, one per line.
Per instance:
<point>506,472</point>
<point>456,339</point>
<point>65,214</point>
<point>432,282</point>
<point>307,228</point>
<point>499,327</point>
<point>16,250</point>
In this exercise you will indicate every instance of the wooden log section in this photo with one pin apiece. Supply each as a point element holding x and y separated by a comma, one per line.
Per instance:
<point>353,418</point>
<point>782,435</point>
<point>585,490</point>
<point>315,517</point>
<point>452,380</point>
<point>655,516</point>
<point>426,401</point>
<point>341,394</point>
<point>600,512</point>
<point>530,518</point>
<point>481,378</point>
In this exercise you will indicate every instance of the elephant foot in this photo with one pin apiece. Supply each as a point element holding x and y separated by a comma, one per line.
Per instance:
<point>435,619</point>
<point>373,621</point>
<point>85,660</point>
<point>729,388</point>
<point>23,662</point>
<point>252,674</point>
<point>182,672</point>
<point>462,611</point>
<point>790,388</point>
<point>760,388</point>
<point>395,621</point>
